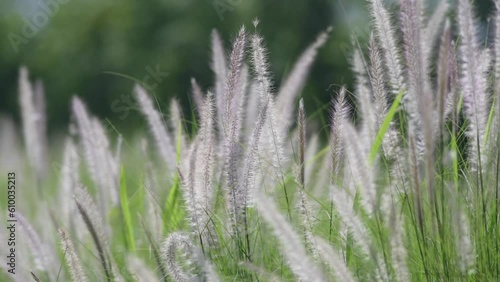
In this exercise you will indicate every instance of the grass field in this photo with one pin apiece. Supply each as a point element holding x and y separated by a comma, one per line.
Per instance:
<point>244,187</point>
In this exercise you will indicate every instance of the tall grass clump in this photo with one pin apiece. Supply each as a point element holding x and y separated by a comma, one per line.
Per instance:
<point>406,188</point>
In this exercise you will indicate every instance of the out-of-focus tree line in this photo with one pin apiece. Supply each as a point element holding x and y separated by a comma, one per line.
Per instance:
<point>96,48</point>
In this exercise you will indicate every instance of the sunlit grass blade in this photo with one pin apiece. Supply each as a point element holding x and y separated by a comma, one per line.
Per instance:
<point>489,124</point>
<point>174,213</point>
<point>385,126</point>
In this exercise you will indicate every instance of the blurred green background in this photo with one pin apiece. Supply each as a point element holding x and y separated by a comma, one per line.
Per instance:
<point>71,44</point>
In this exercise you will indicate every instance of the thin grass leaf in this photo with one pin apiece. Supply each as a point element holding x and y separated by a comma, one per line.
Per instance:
<point>385,126</point>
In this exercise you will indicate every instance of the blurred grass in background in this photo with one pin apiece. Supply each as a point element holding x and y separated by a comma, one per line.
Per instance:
<point>72,44</point>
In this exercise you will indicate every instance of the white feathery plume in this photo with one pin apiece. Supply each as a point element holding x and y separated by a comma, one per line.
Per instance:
<point>473,81</point>
<point>207,155</point>
<point>415,179</point>
<point>232,120</point>
<point>418,100</point>
<point>377,81</point>
<point>430,32</point>
<point>95,226</point>
<point>272,143</point>
<point>313,161</point>
<point>357,164</point>
<point>340,113</point>
<point>293,250</point>
<point>386,35</point>
<point>44,259</point>
<point>264,127</point>
<point>71,258</point>
<point>198,193</point>
<point>451,104</point>
<point>41,111</point>
<point>210,272</point>
<point>155,222</point>
<point>345,206</point>
<point>274,160</point>
<point>197,95</point>
<point>391,139</point>
<point>381,273</point>
<point>117,277</point>
<point>176,123</point>
<point>140,269</point>
<point>68,180</point>
<point>99,160</point>
<point>164,142</point>
<point>204,169</point>
<point>32,124</point>
<point>364,97</point>
<point>153,206</point>
<point>86,204</point>
<point>175,115</point>
<point>333,260</point>
<point>234,86</point>
<point>242,98</point>
<point>496,84</point>
<point>497,47</point>
<point>175,243</point>
<point>294,83</point>
<point>323,177</point>
<point>465,245</point>
<point>303,204</point>
<point>188,183</point>
<point>248,185</point>
<point>262,74</point>
<point>252,109</point>
<point>398,249</point>
<point>444,72</point>
<point>107,163</point>
<point>220,69</point>
<point>84,126</point>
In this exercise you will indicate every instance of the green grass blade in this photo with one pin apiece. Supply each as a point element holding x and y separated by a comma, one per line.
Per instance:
<point>454,149</point>
<point>174,214</point>
<point>488,126</point>
<point>385,126</point>
<point>127,219</point>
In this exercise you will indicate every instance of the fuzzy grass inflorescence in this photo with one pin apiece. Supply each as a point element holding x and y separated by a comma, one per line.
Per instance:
<point>406,189</point>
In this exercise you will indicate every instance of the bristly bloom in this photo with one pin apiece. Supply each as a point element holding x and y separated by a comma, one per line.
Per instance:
<point>71,257</point>
<point>34,123</point>
<point>475,63</point>
<point>162,137</point>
